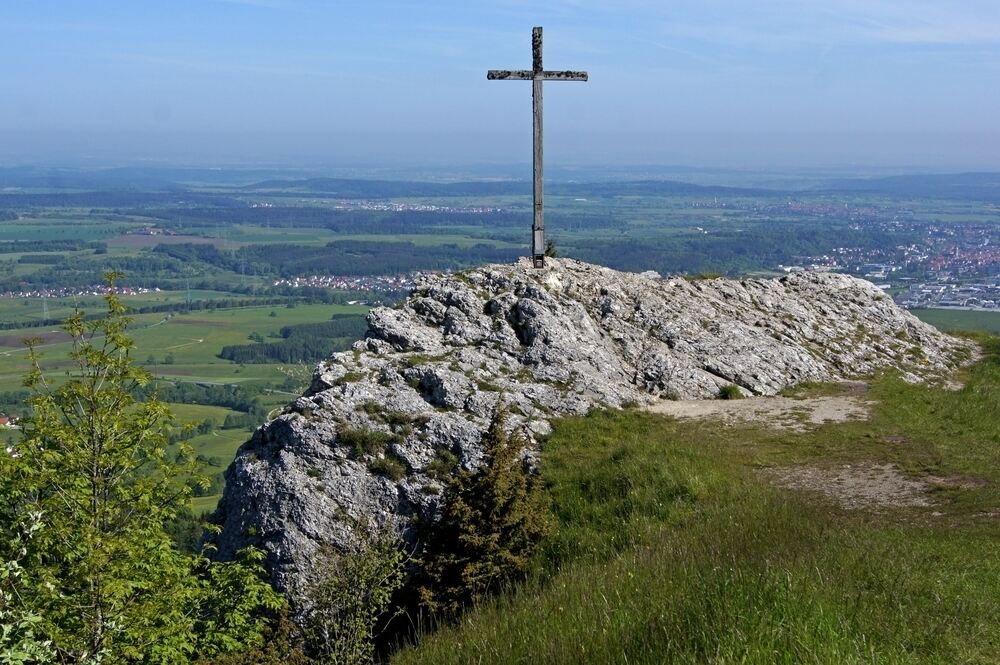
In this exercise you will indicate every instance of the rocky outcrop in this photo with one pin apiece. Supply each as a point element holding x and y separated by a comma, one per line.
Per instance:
<point>367,442</point>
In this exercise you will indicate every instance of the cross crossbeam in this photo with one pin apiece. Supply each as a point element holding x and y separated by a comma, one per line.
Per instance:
<point>536,75</point>
<point>528,75</point>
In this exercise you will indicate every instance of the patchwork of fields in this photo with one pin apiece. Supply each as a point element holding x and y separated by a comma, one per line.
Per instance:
<point>183,348</point>
<point>210,257</point>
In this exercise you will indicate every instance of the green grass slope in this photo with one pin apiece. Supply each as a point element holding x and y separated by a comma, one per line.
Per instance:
<point>673,546</point>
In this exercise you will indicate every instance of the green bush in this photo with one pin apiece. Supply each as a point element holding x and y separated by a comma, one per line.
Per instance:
<point>730,391</point>
<point>443,464</point>
<point>491,522</point>
<point>365,441</point>
<point>348,598</point>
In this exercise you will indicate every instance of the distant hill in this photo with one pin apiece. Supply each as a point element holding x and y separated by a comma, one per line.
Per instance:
<point>363,188</point>
<point>978,186</point>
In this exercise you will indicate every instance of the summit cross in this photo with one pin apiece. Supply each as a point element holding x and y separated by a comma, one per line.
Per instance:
<point>536,75</point>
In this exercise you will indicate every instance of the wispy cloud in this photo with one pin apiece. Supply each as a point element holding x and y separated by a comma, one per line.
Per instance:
<point>773,23</point>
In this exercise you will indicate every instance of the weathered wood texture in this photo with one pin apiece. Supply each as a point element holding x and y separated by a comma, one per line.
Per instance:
<point>536,75</point>
<point>528,75</point>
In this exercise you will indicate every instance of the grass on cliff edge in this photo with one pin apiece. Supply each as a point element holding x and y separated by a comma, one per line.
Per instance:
<point>673,548</point>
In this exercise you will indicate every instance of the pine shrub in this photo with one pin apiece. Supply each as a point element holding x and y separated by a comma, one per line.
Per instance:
<point>492,519</point>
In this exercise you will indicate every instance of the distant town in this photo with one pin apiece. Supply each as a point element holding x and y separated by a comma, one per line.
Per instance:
<point>377,284</point>
<point>954,265</point>
<point>78,292</point>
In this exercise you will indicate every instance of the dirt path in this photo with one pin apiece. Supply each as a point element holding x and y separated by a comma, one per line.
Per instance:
<point>863,486</point>
<point>778,412</point>
<point>178,346</point>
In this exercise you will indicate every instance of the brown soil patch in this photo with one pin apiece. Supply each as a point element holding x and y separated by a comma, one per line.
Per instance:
<point>857,486</point>
<point>17,340</point>
<point>777,412</point>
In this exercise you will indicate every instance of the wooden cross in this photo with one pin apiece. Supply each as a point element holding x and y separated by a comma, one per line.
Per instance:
<point>536,75</point>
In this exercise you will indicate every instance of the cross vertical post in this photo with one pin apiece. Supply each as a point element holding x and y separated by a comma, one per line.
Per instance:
<point>536,75</point>
<point>537,188</point>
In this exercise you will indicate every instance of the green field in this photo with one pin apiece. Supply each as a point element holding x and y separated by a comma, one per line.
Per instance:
<point>190,342</point>
<point>960,320</point>
<point>15,310</point>
<point>193,340</point>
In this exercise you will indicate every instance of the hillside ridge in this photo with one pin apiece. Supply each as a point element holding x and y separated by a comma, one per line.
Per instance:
<point>366,443</point>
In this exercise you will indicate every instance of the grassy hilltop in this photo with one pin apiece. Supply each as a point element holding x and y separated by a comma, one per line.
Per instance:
<point>675,543</point>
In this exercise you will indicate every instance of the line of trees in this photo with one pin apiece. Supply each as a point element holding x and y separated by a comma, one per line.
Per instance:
<point>307,342</point>
<point>71,245</point>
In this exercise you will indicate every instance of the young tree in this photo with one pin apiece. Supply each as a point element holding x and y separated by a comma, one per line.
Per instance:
<point>100,577</point>
<point>491,522</point>
<point>350,592</point>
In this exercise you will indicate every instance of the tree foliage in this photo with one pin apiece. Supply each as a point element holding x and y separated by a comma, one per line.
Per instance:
<point>348,596</point>
<point>492,520</point>
<point>98,576</point>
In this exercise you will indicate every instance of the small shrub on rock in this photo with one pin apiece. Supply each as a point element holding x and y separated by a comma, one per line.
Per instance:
<point>491,521</point>
<point>364,441</point>
<point>389,466</point>
<point>443,464</point>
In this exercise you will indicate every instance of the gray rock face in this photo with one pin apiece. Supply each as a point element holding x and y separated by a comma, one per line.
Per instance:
<point>360,446</point>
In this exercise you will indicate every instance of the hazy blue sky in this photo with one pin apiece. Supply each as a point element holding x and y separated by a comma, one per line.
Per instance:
<point>700,82</point>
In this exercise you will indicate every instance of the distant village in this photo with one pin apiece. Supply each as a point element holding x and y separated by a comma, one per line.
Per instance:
<point>397,206</point>
<point>377,284</point>
<point>81,291</point>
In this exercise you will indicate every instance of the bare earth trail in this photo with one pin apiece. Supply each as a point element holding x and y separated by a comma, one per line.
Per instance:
<point>858,486</point>
<point>797,414</point>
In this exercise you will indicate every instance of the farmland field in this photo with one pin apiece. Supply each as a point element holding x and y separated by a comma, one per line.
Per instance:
<point>183,348</point>
<point>217,261</point>
<point>961,320</point>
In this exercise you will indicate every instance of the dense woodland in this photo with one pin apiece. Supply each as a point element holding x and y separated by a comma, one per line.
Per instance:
<point>308,342</point>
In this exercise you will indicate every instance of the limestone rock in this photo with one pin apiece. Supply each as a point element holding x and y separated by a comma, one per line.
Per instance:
<point>553,341</point>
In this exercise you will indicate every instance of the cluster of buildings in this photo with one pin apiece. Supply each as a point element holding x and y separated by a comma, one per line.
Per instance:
<point>941,293</point>
<point>947,265</point>
<point>152,231</point>
<point>7,421</point>
<point>816,209</point>
<point>379,283</point>
<point>76,292</point>
<point>400,206</point>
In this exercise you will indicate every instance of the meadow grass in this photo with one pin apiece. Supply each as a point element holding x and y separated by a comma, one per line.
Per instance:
<point>673,547</point>
<point>960,319</point>
<point>195,413</point>
<point>192,339</point>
